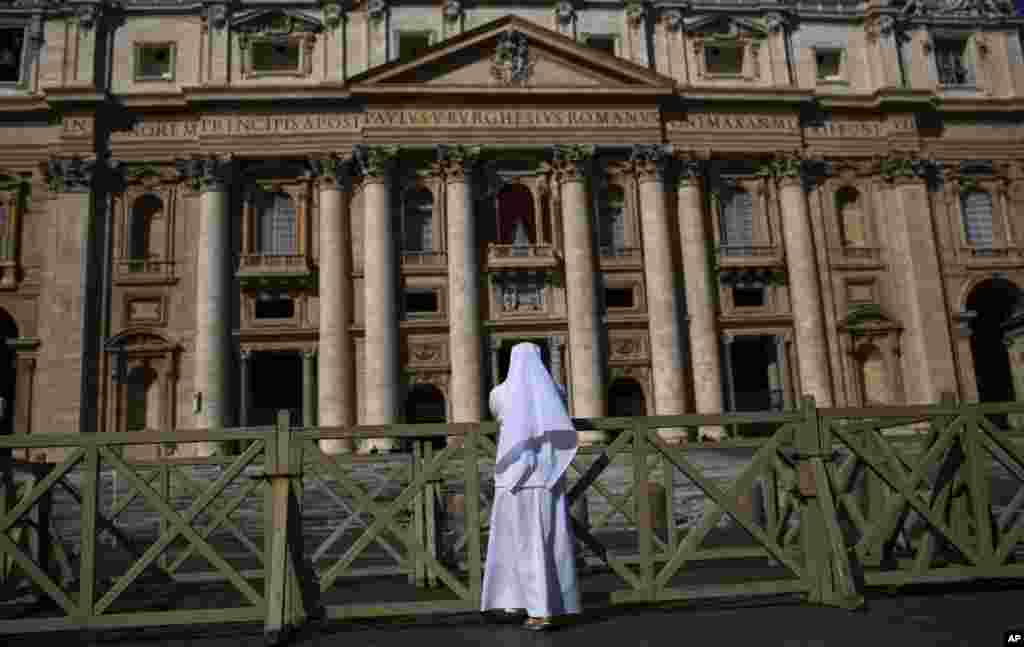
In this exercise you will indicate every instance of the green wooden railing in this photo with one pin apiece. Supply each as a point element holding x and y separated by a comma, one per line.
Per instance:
<point>832,501</point>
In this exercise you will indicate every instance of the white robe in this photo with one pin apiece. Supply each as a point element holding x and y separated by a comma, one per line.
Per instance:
<point>530,559</point>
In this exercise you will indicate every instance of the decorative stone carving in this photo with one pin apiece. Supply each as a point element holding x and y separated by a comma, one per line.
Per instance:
<point>673,19</point>
<point>876,27</point>
<point>332,13</point>
<point>990,9</point>
<point>635,11</point>
<point>650,161</point>
<point>565,12</point>
<point>332,169</point>
<point>377,10</point>
<point>452,10</point>
<point>691,171</point>
<point>375,161</point>
<point>215,16</point>
<point>623,348</point>
<point>211,173</point>
<point>571,162</point>
<point>511,64</point>
<point>456,161</point>
<point>909,166</point>
<point>776,22</point>
<point>87,15</point>
<point>794,167</point>
<point>69,175</point>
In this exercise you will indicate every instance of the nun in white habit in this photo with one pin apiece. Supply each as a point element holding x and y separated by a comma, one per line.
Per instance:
<point>530,561</point>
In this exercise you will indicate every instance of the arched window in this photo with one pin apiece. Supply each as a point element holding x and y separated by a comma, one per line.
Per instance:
<point>874,378</point>
<point>140,236</point>
<point>277,230</point>
<point>417,222</point>
<point>977,213</point>
<point>851,217</point>
<point>515,215</point>
<point>612,226</point>
<point>737,221</point>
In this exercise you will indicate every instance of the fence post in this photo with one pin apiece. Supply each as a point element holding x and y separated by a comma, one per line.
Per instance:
<point>291,594</point>
<point>827,559</point>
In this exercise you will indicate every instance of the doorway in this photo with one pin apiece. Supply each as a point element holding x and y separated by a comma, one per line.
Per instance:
<point>276,384</point>
<point>425,404</point>
<point>626,398</point>
<point>505,354</point>
<point>993,301</point>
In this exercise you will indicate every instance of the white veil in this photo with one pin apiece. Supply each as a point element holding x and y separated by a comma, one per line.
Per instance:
<point>537,439</point>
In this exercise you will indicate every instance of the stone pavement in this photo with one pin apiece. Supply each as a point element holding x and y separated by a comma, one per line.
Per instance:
<point>946,616</point>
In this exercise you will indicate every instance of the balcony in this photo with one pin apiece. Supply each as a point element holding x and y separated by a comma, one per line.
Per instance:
<point>424,262</point>
<point>621,257</point>
<point>749,255</point>
<point>522,257</point>
<point>143,270</point>
<point>273,265</point>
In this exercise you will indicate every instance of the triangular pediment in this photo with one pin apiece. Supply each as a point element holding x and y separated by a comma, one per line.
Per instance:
<point>512,55</point>
<point>275,22</point>
<point>719,26</point>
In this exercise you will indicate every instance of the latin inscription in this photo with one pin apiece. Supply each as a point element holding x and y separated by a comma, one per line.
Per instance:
<point>708,121</point>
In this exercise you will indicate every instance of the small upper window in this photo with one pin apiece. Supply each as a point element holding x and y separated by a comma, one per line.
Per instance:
<point>275,55</point>
<point>603,42</point>
<point>12,42</point>
<point>723,59</point>
<point>412,43</point>
<point>828,64</point>
<point>154,61</point>
<point>952,62</point>
<point>421,301</point>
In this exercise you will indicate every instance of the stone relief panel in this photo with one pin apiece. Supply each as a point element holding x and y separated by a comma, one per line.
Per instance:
<point>427,351</point>
<point>628,346</point>
<point>145,311</point>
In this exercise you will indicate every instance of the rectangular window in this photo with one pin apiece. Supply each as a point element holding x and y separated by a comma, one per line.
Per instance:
<point>603,42</point>
<point>154,62</point>
<point>748,296</point>
<point>421,302</point>
<point>951,62</point>
<point>726,59</point>
<point>270,56</point>
<point>272,306</point>
<point>828,64</point>
<point>12,43</point>
<point>618,297</point>
<point>412,43</point>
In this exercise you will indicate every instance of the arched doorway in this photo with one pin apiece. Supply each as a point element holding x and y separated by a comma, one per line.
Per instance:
<point>626,398</point>
<point>424,405</point>
<point>8,333</point>
<point>993,301</point>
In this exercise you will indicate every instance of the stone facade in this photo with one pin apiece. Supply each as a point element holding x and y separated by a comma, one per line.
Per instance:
<point>212,211</point>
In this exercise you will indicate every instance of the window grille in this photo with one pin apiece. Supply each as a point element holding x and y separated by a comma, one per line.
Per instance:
<point>738,222</point>
<point>977,213</point>
<point>278,224</point>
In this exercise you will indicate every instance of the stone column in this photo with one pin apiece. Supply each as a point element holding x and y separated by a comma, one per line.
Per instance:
<point>464,322</point>
<point>68,288</point>
<point>916,268</point>
<point>804,289</point>
<point>309,391</point>
<point>705,348</point>
<point>245,387</point>
<point>585,362</point>
<point>381,316</point>
<point>212,354</point>
<point>335,364</point>
<point>666,340</point>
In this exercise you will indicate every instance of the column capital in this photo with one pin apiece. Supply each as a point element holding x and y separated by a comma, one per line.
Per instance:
<point>571,163</point>
<point>207,173</point>
<point>455,162</point>
<point>650,161</point>
<point>331,171</point>
<point>691,171</point>
<point>795,169</point>
<point>375,163</point>
<point>70,174</point>
<point>909,167</point>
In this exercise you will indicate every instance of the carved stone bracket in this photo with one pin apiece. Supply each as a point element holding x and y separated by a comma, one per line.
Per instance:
<point>211,173</point>
<point>70,175</point>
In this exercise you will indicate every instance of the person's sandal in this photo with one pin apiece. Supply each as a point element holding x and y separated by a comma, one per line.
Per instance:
<point>538,624</point>
<point>507,615</point>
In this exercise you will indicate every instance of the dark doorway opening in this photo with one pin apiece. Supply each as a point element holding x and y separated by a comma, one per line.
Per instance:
<point>756,382</point>
<point>993,301</point>
<point>505,353</point>
<point>276,384</point>
<point>424,405</point>
<point>8,333</point>
<point>626,398</point>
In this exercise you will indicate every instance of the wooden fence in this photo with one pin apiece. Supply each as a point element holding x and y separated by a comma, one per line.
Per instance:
<point>828,502</point>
